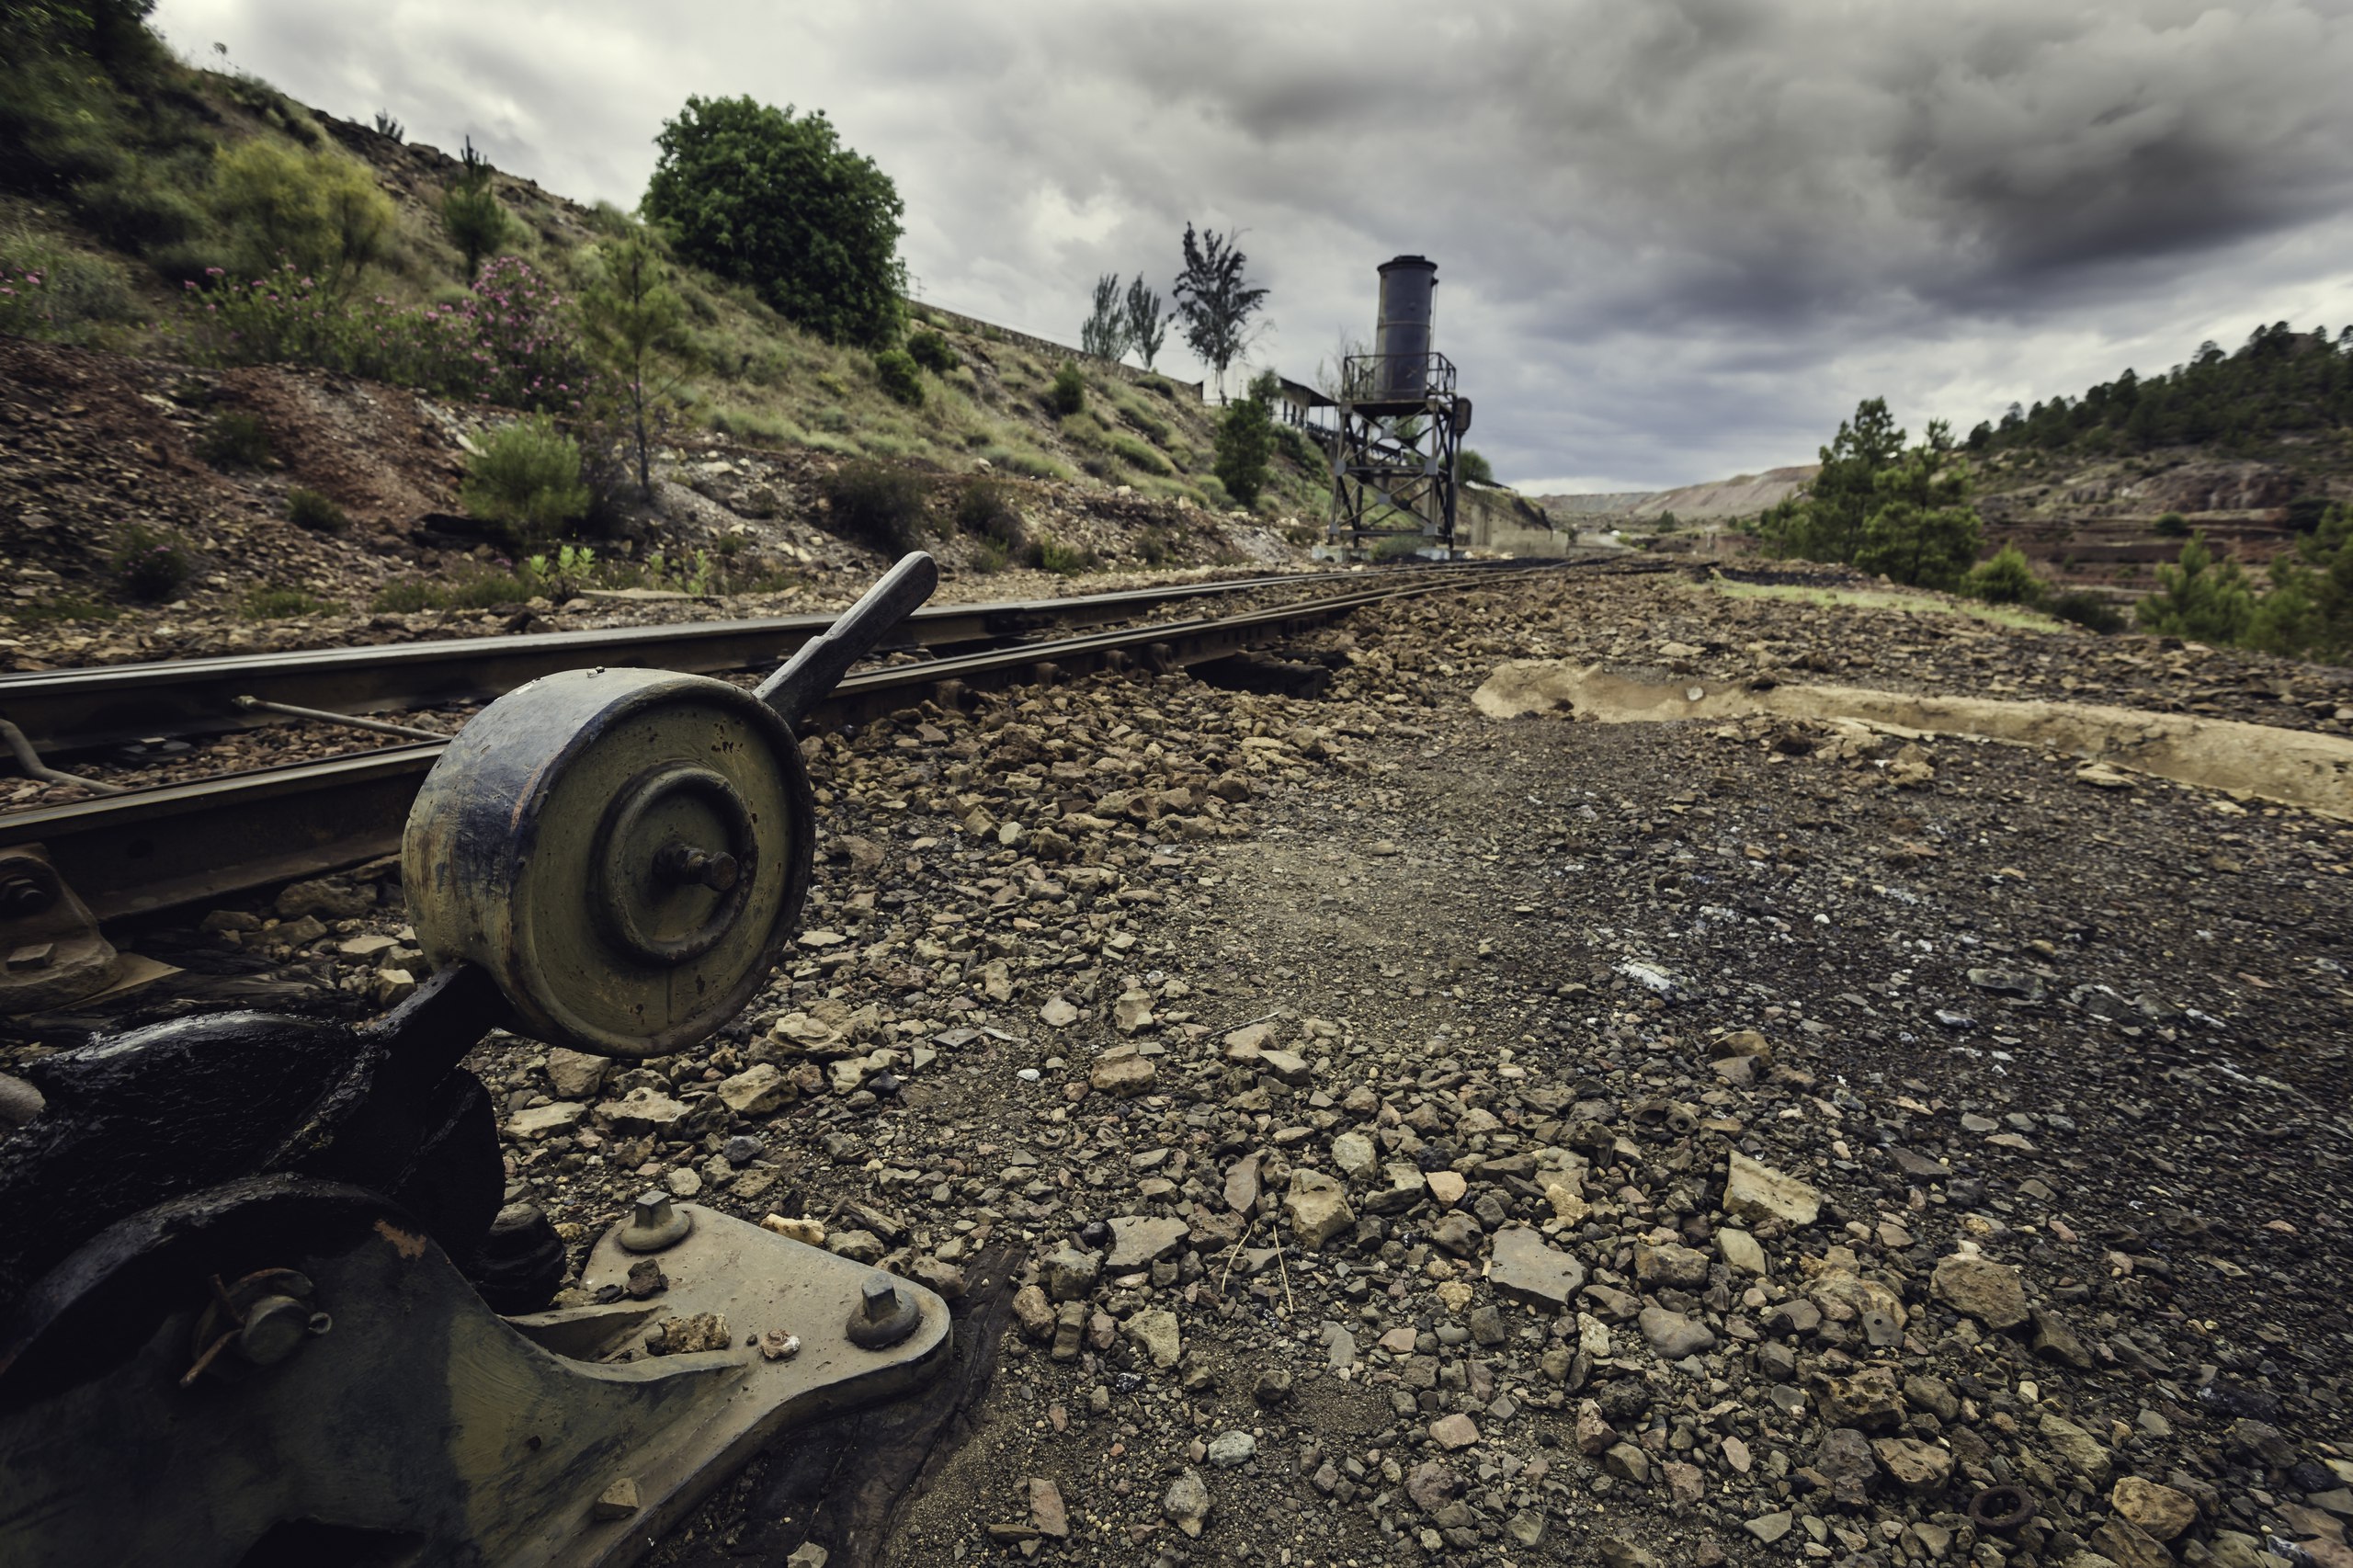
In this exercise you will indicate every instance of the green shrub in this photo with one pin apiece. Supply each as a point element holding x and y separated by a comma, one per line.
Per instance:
<point>2173,525</point>
<point>750,425</point>
<point>1397,547</point>
<point>1050,554</point>
<point>149,567</point>
<point>47,290</point>
<point>877,505</point>
<point>1138,456</point>
<point>1067,396</point>
<point>896,367</point>
<point>320,211</point>
<point>59,607</point>
<point>132,213</point>
<point>406,597</point>
<point>991,557</point>
<point>309,509</point>
<point>234,440</point>
<point>1151,424</point>
<point>985,509</point>
<point>2089,611</point>
<point>930,350</point>
<point>1245,440</point>
<point>527,479</point>
<point>263,603</point>
<point>1028,464</point>
<point>2006,579</point>
<point>1472,468</point>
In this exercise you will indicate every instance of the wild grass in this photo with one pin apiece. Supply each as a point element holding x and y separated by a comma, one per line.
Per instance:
<point>2010,616</point>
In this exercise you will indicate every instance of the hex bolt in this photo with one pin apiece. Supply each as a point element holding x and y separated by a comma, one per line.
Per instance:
<point>654,1224</point>
<point>715,869</point>
<point>886,1314</point>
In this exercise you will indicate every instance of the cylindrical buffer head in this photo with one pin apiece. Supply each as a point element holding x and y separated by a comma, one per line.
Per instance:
<point>626,851</point>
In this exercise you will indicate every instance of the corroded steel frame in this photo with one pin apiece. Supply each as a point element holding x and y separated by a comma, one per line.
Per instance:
<point>1395,463</point>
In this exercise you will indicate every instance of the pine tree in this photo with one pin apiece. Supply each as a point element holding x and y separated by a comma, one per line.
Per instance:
<point>2200,598</point>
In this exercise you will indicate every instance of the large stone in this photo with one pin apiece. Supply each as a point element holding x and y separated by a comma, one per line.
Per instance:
<point>575,1075</point>
<point>1980,1288</point>
<point>756,1091</point>
<point>1741,1250</point>
<point>1187,1502</point>
<point>1121,1072</point>
<point>2156,1509</point>
<point>1846,1464</point>
<point>1136,1242</point>
<point>2055,1340</point>
<point>1132,1012</point>
<point>1525,1269</point>
<point>1680,1267</point>
<point>1288,1065</point>
<point>1771,1528</point>
<point>1919,1468</point>
<point>1405,1186</point>
<point>1356,1155</point>
<point>1867,1400</point>
<point>642,1111</point>
<point>2075,1449</point>
<point>328,898</point>
<point>1242,1184</point>
<point>1155,1332</point>
<point>1673,1334</point>
<point>2127,1547</point>
<point>1231,1450</point>
<point>544,1121</point>
<point>1069,1274</point>
<point>1451,1432</point>
<point>1755,1191</point>
<point>1317,1208</point>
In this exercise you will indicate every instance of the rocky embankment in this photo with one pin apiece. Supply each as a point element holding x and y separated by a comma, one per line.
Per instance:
<point>1386,1134</point>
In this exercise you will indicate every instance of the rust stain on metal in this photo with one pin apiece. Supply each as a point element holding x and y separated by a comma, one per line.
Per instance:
<point>408,1245</point>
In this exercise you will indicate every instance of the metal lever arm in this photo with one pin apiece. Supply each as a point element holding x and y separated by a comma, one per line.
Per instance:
<point>819,663</point>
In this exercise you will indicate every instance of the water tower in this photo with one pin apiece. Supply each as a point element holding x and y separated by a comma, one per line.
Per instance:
<point>1401,424</point>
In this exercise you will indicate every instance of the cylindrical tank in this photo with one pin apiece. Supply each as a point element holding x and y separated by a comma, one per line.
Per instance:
<point>1402,336</point>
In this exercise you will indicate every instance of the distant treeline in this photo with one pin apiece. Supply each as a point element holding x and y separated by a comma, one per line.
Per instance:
<point>2281,381</point>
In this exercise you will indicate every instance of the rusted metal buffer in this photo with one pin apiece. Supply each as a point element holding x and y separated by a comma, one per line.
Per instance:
<point>251,1291</point>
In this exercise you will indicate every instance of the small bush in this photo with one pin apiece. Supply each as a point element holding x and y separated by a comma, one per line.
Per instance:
<point>234,440</point>
<point>896,367</point>
<point>877,505</point>
<point>749,424</point>
<point>2006,579</point>
<point>57,607</point>
<point>2173,525</point>
<point>1151,424</point>
<point>47,290</point>
<point>406,597</point>
<point>320,211</point>
<point>2089,611</point>
<point>1051,554</point>
<point>309,509</point>
<point>1245,440</point>
<point>1028,464</point>
<point>930,350</point>
<point>527,479</point>
<point>281,604</point>
<point>149,567</point>
<point>991,557</point>
<point>1138,456</point>
<point>1068,393</point>
<point>1472,468</point>
<point>985,509</point>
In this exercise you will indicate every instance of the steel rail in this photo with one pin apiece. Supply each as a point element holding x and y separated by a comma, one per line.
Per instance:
<point>63,711</point>
<point>152,850</point>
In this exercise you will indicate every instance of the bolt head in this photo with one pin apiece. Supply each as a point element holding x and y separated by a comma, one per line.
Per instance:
<point>651,1209</point>
<point>881,1297</point>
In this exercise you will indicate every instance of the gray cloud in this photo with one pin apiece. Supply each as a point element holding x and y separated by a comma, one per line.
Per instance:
<point>1678,239</point>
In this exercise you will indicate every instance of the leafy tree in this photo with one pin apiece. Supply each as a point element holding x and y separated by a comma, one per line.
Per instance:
<point>634,319</point>
<point>2200,598</point>
<point>471,214</point>
<point>1473,469</point>
<point>1246,441</point>
<point>1215,299</point>
<point>1104,334</point>
<point>1147,322</point>
<point>757,195</point>
<point>2007,579</point>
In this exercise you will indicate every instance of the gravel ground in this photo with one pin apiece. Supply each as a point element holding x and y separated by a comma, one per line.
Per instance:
<point>1358,1131</point>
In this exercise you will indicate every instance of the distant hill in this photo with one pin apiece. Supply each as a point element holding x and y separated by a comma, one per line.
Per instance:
<point>1743,496</point>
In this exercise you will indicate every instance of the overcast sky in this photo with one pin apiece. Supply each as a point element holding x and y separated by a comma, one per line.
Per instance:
<point>1677,239</point>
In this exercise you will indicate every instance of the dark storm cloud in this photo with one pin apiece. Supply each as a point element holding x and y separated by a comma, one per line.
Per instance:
<point>1678,237</point>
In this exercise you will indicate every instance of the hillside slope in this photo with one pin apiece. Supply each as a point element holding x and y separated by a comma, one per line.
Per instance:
<point>114,401</point>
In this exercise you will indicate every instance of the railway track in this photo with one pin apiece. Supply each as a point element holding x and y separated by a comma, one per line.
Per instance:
<point>152,850</point>
<point>63,712</point>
